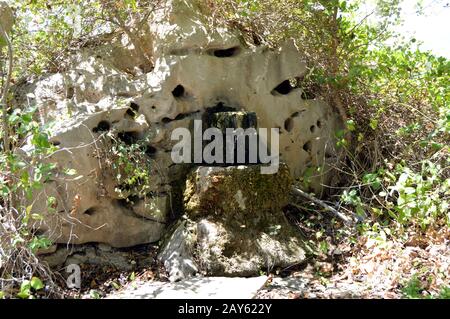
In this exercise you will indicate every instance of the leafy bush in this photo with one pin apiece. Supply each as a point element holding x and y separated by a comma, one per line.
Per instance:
<point>413,290</point>
<point>22,175</point>
<point>129,165</point>
<point>405,197</point>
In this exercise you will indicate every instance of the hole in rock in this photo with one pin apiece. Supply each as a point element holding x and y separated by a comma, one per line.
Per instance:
<point>181,116</point>
<point>166,120</point>
<point>319,124</point>
<point>123,202</point>
<point>296,114</point>
<point>307,147</point>
<point>178,91</point>
<point>220,107</point>
<point>289,124</point>
<point>209,116</point>
<point>291,84</point>
<point>153,107</point>
<point>133,110</point>
<point>229,251</point>
<point>151,151</point>
<point>287,86</point>
<point>312,128</point>
<point>256,39</point>
<point>226,53</point>
<point>129,138</point>
<point>55,143</point>
<point>38,232</point>
<point>90,211</point>
<point>102,126</point>
<point>283,88</point>
<point>70,92</point>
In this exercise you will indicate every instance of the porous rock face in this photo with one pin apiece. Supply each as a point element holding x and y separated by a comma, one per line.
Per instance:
<point>112,92</point>
<point>233,224</point>
<point>6,20</point>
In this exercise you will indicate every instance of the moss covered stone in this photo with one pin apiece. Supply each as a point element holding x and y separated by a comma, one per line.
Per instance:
<point>235,221</point>
<point>236,191</point>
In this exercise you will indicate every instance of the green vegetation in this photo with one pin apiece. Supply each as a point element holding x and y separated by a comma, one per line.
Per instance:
<point>21,177</point>
<point>414,290</point>
<point>129,165</point>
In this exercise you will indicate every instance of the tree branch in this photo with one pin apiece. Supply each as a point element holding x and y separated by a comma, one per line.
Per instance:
<point>299,192</point>
<point>4,98</point>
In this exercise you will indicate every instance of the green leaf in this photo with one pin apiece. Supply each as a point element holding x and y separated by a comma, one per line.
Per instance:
<point>37,217</point>
<point>351,126</point>
<point>115,285</point>
<point>36,283</point>
<point>24,292</point>
<point>373,180</point>
<point>94,294</point>
<point>39,242</point>
<point>444,293</point>
<point>360,211</point>
<point>373,124</point>
<point>52,203</point>
<point>437,146</point>
<point>41,140</point>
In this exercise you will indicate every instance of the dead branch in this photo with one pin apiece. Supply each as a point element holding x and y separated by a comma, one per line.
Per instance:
<point>4,99</point>
<point>298,192</point>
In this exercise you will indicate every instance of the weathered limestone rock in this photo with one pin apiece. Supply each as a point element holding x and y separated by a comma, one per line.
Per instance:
<point>153,208</point>
<point>233,224</point>
<point>176,254</point>
<point>235,192</point>
<point>6,20</point>
<point>111,93</point>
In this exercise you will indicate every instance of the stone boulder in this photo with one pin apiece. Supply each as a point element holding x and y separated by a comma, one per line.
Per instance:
<point>109,92</point>
<point>233,224</point>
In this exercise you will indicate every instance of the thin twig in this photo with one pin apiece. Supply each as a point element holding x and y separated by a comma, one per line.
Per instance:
<point>299,192</point>
<point>4,101</point>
